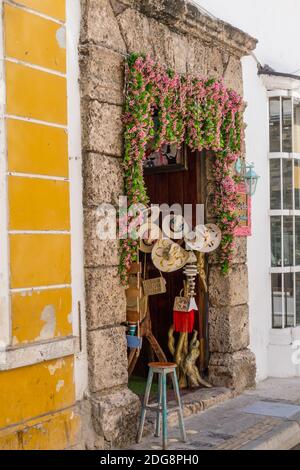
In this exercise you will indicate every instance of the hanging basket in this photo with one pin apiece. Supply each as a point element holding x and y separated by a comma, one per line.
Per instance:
<point>155,286</point>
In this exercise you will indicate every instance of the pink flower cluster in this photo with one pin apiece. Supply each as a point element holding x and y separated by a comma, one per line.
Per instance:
<point>204,114</point>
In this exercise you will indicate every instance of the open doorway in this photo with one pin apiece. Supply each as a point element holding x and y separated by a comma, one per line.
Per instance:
<point>185,184</point>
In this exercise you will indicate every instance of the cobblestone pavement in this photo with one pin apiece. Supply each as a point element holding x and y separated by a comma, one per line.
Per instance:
<point>271,422</point>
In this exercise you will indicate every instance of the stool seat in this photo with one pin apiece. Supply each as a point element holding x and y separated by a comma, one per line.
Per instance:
<point>162,365</point>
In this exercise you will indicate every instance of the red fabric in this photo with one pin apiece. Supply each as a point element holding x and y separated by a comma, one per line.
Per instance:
<point>183,321</point>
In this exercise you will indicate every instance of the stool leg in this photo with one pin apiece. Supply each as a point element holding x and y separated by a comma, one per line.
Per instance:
<point>164,411</point>
<point>157,432</point>
<point>145,403</point>
<point>180,413</point>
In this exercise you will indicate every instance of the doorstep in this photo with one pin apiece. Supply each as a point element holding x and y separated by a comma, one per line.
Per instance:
<point>193,402</point>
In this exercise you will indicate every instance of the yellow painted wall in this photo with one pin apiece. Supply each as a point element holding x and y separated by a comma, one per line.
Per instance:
<point>32,391</point>
<point>21,44</point>
<point>37,148</point>
<point>38,204</point>
<point>54,8</point>
<point>35,94</point>
<point>38,401</point>
<point>44,314</point>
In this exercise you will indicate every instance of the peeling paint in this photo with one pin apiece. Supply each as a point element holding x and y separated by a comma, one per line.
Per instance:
<point>70,318</point>
<point>49,317</point>
<point>60,384</point>
<point>58,365</point>
<point>61,37</point>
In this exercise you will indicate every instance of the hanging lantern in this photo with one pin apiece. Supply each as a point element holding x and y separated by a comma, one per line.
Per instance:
<point>251,179</point>
<point>247,172</point>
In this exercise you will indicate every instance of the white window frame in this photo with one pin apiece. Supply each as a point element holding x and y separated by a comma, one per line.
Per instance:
<point>281,213</point>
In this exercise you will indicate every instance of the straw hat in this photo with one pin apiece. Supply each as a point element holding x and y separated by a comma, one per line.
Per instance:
<point>149,233</point>
<point>168,256</point>
<point>212,239</point>
<point>195,240</point>
<point>205,238</point>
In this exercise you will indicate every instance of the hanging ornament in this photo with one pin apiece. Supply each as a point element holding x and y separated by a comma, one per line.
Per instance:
<point>185,307</point>
<point>183,315</point>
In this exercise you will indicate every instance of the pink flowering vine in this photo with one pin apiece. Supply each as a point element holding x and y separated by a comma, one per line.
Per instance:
<point>204,114</point>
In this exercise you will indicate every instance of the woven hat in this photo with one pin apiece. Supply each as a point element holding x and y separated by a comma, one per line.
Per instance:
<point>195,240</point>
<point>168,256</point>
<point>149,233</point>
<point>205,238</point>
<point>212,239</point>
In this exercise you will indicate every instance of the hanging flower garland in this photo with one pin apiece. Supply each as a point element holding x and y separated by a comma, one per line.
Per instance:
<point>204,114</point>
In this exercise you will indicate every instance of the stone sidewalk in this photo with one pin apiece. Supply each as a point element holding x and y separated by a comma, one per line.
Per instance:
<point>267,418</point>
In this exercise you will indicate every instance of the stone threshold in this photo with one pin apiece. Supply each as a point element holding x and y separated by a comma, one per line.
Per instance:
<point>193,402</point>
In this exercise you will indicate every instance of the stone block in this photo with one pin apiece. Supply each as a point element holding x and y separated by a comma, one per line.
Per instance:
<point>236,371</point>
<point>215,64</point>
<point>136,31</point>
<point>196,58</point>
<point>228,328</point>
<point>116,417</point>
<point>102,128</point>
<point>102,74</point>
<point>107,358</point>
<point>163,52</point>
<point>103,179</point>
<point>179,46</point>
<point>99,25</point>
<point>168,11</point>
<point>233,75</point>
<point>228,289</point>
<point>105,298</point>
<point>99,252</point>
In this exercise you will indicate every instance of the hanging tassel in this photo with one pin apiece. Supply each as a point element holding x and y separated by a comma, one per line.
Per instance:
<point>183,321</point>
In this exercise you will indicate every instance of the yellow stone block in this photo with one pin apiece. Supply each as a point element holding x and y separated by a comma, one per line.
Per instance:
<point>37,148</point>
<point>35,94</point>
<point>21,32</point>
<point>54,8</point>
<point>55,431</point>
<point>33,391</point>
<point>60,432</point>
<point>10,441</point>
<point>39,260</point>
<point>41,315</point>
<point>38,204</point>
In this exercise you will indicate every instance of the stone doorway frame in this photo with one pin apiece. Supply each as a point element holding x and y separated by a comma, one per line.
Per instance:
<point>179,34</point>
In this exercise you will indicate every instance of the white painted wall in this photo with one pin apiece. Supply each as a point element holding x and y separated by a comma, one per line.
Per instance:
<point>75,169</point>
<point>275,23</point>
<point>257,142</point>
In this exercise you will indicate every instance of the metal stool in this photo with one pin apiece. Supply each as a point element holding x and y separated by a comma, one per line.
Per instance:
<point>162,369</point>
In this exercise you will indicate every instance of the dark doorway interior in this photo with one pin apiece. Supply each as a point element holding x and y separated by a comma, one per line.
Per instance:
<point>182,187</point>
